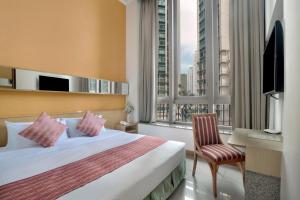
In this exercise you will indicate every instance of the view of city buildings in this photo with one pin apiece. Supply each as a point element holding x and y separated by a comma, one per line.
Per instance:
<point>224,49</point>
<point>162,71</point>
<point>223,110</point>
<point>162,110</point>
<point>196,81</point>
<point>192,77</point>
<point>200,63</point>
<point>191,80</point>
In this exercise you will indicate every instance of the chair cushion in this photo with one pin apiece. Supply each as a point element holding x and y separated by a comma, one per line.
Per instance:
<point>221,152</point>
<point>206,129</point>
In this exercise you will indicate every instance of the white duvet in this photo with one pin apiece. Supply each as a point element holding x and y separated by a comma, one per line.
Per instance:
<point>132,181</point>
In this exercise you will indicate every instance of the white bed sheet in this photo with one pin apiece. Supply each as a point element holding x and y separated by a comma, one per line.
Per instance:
<point>132,181</point>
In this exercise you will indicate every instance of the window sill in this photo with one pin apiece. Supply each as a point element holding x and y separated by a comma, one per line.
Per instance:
<point>186,127</point>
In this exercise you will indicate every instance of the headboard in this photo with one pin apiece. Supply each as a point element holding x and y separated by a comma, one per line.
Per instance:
<point>113,117</point>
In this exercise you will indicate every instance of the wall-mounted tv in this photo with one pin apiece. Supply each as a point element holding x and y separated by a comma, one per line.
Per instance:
<point>273,69</point>
<point>53,83</point>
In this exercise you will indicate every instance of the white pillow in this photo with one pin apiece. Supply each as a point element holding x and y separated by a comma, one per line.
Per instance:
<point>72,127</point>
<point>72,130</point>
<point>64,135</point>
<point>16,141</point>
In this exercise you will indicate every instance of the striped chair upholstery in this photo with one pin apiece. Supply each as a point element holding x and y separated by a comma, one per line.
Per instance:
<point>206,129</point>
<point>210,147</point>
<point>221,152</point>
<point>208,139</point>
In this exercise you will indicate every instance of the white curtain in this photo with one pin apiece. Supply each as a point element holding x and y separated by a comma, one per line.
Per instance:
<point>247,47</point>
<point>147,49</point>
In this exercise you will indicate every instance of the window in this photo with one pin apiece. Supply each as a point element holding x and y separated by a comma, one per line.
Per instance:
<point>193,60</point>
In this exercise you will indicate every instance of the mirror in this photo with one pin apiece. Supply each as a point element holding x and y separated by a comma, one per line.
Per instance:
<point>23,79</point>
<point>6,77</point>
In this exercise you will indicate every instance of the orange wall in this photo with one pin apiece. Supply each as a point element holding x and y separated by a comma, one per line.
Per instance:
<point>76,37</point>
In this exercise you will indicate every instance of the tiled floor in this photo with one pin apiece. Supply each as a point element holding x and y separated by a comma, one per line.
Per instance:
<point>229,183</point>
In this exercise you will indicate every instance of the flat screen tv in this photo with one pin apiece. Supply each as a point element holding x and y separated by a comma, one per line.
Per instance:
<point>273,68</point>
<point>53,83</point>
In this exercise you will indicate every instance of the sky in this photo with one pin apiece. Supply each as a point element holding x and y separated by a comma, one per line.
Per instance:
<point>188,33</point>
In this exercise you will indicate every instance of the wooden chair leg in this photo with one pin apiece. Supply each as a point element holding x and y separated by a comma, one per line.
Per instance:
<point>241,165</point>
<point>195,164</point>
<point>243,171</point>
<point>214,170</point>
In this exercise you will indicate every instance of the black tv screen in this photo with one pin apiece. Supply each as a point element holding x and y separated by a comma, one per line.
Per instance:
<point>53,83</point>
<point>273,68</point>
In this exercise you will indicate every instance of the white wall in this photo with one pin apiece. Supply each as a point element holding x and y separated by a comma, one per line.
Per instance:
<point>269,8</point>
<point>132,52</point>
<point>169,133</point>
<point>290,182</point>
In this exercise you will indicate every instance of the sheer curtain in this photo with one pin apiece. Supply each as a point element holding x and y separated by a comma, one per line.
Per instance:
<point>247,47</point>
<point>147,52</point>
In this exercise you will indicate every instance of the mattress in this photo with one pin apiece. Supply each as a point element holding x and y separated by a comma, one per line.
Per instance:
<point>134,180</point>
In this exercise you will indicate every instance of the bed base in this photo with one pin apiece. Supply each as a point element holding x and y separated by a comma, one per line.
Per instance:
<point>164,190</point>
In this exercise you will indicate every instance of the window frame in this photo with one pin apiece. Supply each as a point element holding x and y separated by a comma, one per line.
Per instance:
<point>212,96</point>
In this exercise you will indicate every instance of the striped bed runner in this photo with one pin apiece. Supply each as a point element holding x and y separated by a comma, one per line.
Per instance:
<point>62,180</point>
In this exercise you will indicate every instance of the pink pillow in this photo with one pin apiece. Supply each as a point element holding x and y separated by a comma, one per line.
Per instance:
<point>45,131</point>
<point>91,124</point>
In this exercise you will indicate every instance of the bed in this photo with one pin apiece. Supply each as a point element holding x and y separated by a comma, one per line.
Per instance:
<point>154,175</point>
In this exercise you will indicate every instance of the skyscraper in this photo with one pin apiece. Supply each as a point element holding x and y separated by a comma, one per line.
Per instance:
<point>190,79</point>
<point>223,110</point>
<point>183,84</point>
<point>224,51</point>
<point>162,72</point>
<point>162,79</point>
<point>201,64</point>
